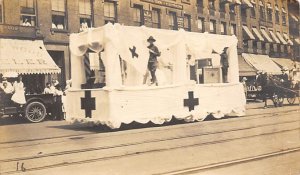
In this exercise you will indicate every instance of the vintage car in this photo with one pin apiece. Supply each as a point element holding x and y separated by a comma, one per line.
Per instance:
<point>35,110</point>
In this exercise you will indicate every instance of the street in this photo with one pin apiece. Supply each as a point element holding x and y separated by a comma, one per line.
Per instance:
<point>265,141</point>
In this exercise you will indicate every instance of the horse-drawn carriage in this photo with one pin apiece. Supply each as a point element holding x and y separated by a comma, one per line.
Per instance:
<point>277,88</point>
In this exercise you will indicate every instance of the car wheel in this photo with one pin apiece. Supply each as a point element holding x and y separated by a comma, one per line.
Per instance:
<point>35,112</point>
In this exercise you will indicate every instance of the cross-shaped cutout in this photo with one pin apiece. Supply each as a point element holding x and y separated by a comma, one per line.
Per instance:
<point>191,102</point>
<point>133,52</point>
<point>88,104</point>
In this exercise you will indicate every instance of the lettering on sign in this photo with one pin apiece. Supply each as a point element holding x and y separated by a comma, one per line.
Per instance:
<point>164,3</point>
<point>14,30</point>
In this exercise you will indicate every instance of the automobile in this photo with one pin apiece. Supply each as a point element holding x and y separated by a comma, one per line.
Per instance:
<point>35,110</point>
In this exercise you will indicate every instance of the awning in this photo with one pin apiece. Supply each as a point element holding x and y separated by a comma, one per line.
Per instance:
<point>274,37</point>
<point>283,10</point>
<point>25,57</point>
<point>297,40</point>
<point>263,31</point>
<point>269,6</point>
<point>226,1</point>
<point>245,69</point>
<point>237,2</point>
<point>247,2</point>
<point>285,62</point>
<point>248,32</point>
<point>253,1</point>
<point>294,17</point>
<point>262,62</point>
<point>258,35</point>
<point>288,39</point>
<point>281,38</point>
<point>261,3</point>
<point>276,8</point>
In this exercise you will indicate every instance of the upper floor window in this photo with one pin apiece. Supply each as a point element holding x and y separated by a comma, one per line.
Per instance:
<point>276,14</point>
<point>173,21</point>
<point>232,9</point>
<point>222,7</point>
<point>200,3</point>
<point>262,12</point>
<point>138,15</point>
<point>233,29</point>
<point>223,28</point>
<point>28,15</point>
<point>110,12</point>
<point>211,4</point>
<point>59,20</point>
<point>253,11</point>
<point>283,16</point>
<point>1,11</point>
<point>212,26</point>
<point>155,18</point>
<point>269,12</point>
<point>201,26</point>
<point>187,22</point>
<point>85,14</point>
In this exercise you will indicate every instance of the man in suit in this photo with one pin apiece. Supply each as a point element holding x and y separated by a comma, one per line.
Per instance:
<point>224,64</point>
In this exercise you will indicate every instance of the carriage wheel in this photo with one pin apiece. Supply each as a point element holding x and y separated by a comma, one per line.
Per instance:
<point>35,112</point>
<point>292,99</point>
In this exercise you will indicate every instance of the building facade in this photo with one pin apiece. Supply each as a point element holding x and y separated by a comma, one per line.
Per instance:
<point>261,26</point>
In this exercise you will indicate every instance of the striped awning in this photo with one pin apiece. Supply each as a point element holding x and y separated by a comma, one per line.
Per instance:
<point>253,2</point>
<point>247,3</point>
<point>248,32</point>
<point>237,2</point>
<point>283,10</point>
<point>258,35</point>
<point>261,3</point>
<point>267,37</point>
<point>286,63</point>
<point>274,37</point>
<point>245,69</point>
<point>269,6</point>
<point>276,8</point>
<point>226,1</point>
<point>25,57</point>
<point>281,38</point>
<point>297,40</point>
<point>289,41</point>
<point>294,17</point>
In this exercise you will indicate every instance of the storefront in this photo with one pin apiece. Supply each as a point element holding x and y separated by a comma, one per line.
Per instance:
<point>28,58</point>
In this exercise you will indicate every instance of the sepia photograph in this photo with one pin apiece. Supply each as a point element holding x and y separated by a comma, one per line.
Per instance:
<point>150,87</point>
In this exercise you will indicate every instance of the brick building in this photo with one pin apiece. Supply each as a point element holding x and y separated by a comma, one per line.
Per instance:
<point>261,26</point>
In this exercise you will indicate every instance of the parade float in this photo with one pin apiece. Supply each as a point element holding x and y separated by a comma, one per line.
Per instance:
<point>125,95</point>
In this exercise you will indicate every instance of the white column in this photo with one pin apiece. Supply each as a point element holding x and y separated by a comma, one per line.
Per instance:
<point>233,70</point>
<point>77,71</point>
<point>180,68</point>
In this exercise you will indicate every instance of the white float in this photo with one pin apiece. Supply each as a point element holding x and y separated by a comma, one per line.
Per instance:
<point>125,99</point>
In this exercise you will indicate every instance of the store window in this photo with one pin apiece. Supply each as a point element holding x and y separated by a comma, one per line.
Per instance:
<point>85,13</point>
<point>110,12</point>
<point>1,11</point>
<point>223,28</point>
<point>138,15</point>
<point>172,21</point>
<point>201,25</point>
<point>28,14</point>
<point>59,20</point>
<point>156,18</point>
<point>187,22</point>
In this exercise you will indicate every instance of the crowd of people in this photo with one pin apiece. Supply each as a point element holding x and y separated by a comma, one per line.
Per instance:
<point>16,92</point>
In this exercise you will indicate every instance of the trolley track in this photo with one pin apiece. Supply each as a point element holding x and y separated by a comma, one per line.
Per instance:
<point>96,133</point>
<point>80,151</point>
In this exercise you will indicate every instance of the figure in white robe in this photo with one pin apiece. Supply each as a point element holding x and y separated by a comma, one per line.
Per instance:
<point>19,92</point>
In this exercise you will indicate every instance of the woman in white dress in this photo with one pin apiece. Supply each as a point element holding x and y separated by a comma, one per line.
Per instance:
<point>19,92</point>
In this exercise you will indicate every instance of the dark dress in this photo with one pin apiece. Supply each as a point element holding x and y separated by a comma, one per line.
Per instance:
<point>152,62</point>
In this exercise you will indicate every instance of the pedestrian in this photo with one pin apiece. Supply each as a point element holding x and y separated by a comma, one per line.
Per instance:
<point>244,79</point>
<point>265,80</point>
<point>224,64</point>
<point>57,113</point>
<point>6,86</point>
<point>19,92</point>
<point>48,89</point>
<point>152,62</point>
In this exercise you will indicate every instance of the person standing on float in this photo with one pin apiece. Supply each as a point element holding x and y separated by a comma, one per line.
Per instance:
<point>19,92</point>
<point>152,62</point>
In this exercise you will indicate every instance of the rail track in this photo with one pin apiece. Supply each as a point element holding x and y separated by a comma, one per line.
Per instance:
<point>162,149</point>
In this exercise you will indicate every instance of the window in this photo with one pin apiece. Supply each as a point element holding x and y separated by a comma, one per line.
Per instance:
<point>201,26</point>
<point>59,20</point>
<point>28,17</point>
<point>223,28</point>
<point>233,29</point>
<point>253,9</point>
<point>262,12</point>
<point>222,7</point>
<point>212,26</point>
<point>172,21</point>
<point>110,12</point>
<point>200,3</point>
<point>1,11</point>
<point>155,18</point>
<point>211,4</point>
<point>231,9</point>
<point>187,22</point>
<point>283,19</point>
<point>85,13</point>
<point>277,16</point>
<point>138,17</point>
<point>269,12</point>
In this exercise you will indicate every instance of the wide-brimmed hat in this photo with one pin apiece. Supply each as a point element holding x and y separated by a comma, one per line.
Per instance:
<point>245,79</point>
<point>151,39</point>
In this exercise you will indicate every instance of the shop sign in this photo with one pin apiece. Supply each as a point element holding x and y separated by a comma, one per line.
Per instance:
<point>17,31</point>
<point>164,3</point>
